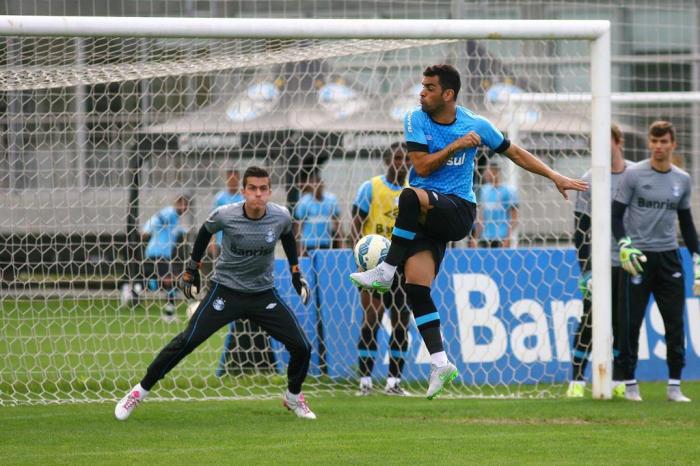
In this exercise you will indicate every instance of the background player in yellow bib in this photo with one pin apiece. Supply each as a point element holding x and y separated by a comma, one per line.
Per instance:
<point>374,212</point>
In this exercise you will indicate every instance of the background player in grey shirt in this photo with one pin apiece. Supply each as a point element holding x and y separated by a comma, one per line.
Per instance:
<point>582,240</point>
<point>653,193</point>
<point>242,288</point>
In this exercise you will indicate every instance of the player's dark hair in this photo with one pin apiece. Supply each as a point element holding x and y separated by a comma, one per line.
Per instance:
<point>393,148</point>
<point>447,75</point>
<point>255,172</point>
<point>661,128</point>
<point>616,133</point>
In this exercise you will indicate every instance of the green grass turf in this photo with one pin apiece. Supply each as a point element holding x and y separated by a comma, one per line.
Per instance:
<point>350,430</point>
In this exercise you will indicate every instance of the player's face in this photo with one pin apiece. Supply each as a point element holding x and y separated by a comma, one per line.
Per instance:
<point>615,148</point>
<point>661,147</point>
<point>233,182</point>
<point>256,192</point>
<point>181,206</point>
<point>400,163</point>
<point>432,97</point>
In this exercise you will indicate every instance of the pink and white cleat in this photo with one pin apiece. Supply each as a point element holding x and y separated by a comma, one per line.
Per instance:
<point>127,404</point>
<point>297,404</point>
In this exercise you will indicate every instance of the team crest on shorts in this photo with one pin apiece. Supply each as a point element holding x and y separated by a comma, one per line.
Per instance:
<point>270,236</point>
<point>219,304</point>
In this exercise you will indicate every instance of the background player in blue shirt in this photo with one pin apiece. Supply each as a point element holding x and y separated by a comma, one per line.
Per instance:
<point>230,195</point>
<point>317,216</point>
<point>164,233</point>
<point>498,216</point>
<point>440,205</point>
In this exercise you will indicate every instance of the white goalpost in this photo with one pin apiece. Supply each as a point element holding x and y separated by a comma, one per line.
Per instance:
<point>194,96</point>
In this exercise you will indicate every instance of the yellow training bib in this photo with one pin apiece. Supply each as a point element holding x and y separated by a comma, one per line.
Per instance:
<point>382,210</point>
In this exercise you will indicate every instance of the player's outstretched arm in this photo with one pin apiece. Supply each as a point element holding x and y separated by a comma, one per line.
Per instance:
<point>529,162</point>
<point>190,282</point>
<point>301,286</point>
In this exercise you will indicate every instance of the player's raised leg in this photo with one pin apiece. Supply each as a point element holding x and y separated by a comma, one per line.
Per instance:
<point>413,205</point>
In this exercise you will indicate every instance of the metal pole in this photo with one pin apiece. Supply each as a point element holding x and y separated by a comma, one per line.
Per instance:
<point>600,230</point>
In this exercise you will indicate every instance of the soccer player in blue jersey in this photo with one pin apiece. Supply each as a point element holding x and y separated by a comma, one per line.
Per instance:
<point>164,233</point>
<point>498,216</point>
<point>230,195</point>
<point>317,217</point>
<point>440,206</point>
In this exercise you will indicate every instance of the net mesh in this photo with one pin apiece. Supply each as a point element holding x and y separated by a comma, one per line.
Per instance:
<point>101,134</point>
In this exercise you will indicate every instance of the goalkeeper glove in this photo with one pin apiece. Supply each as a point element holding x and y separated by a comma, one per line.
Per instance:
<point>190,282</point>
<point>584,284</point>
<point>300,284</point>
<point>631,258</point>
<point>696,274</point>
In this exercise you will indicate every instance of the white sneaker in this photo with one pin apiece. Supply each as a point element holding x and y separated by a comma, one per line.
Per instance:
<point>373,279</point>
<point>674,393</point>
<point>365,388</point>
<point>632,393</point>
<point>439,376</point>
<point>394,388</point>
<point>298,405</point>
<point>129,403</point>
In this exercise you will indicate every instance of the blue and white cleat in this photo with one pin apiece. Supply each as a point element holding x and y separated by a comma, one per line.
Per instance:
<point>372,279</point>
<point>439,376</point>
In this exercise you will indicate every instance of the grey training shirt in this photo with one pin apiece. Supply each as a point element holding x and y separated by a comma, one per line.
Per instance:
<point>583,205</point>
<point>247,258</point>
<point>653,199</point>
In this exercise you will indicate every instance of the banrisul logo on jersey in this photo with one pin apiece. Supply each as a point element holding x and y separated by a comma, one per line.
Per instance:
<point>458,159</point>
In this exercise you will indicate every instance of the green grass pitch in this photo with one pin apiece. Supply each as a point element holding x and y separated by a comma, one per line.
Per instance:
<point>350,430</point>
<point>70,342</point>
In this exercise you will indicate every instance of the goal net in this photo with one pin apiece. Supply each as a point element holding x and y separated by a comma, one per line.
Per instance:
<point>102,133</point>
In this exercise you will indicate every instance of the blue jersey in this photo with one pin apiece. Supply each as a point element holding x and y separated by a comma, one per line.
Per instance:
<point>317,219</point>
<point>457,175</point>
<point>165,230</point>
<point>496,203</point>
<point>224,198</point>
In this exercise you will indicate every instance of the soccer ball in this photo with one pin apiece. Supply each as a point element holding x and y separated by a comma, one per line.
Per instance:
<point>192,308</point>
<point>370,250</point>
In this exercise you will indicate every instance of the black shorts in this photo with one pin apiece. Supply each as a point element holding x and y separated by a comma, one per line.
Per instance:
<point>450,219</point>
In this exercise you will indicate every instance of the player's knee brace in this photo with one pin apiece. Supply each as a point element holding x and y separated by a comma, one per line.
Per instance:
<point>424,310</point>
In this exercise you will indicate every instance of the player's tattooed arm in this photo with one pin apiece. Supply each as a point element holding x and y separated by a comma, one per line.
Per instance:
<point>424,164</point>
<point>529,162</point>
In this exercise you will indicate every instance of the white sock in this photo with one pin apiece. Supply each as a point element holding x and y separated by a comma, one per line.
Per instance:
<point>365,381</point>
<point>142,391</point>
<point>291,396</point>
<point>387,270</point>
<point>579,382</point>
<point>674,382</point>
<point>439,359</point>
<point>391,382</point>
<point>631,382</point>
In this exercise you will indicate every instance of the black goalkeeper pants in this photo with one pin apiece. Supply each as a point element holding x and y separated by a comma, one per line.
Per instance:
<point>663,276</point>
<point>220,307</point>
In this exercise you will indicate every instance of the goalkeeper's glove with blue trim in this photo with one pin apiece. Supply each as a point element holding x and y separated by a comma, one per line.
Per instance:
<point>584,284</point>
<point>631,258</point>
